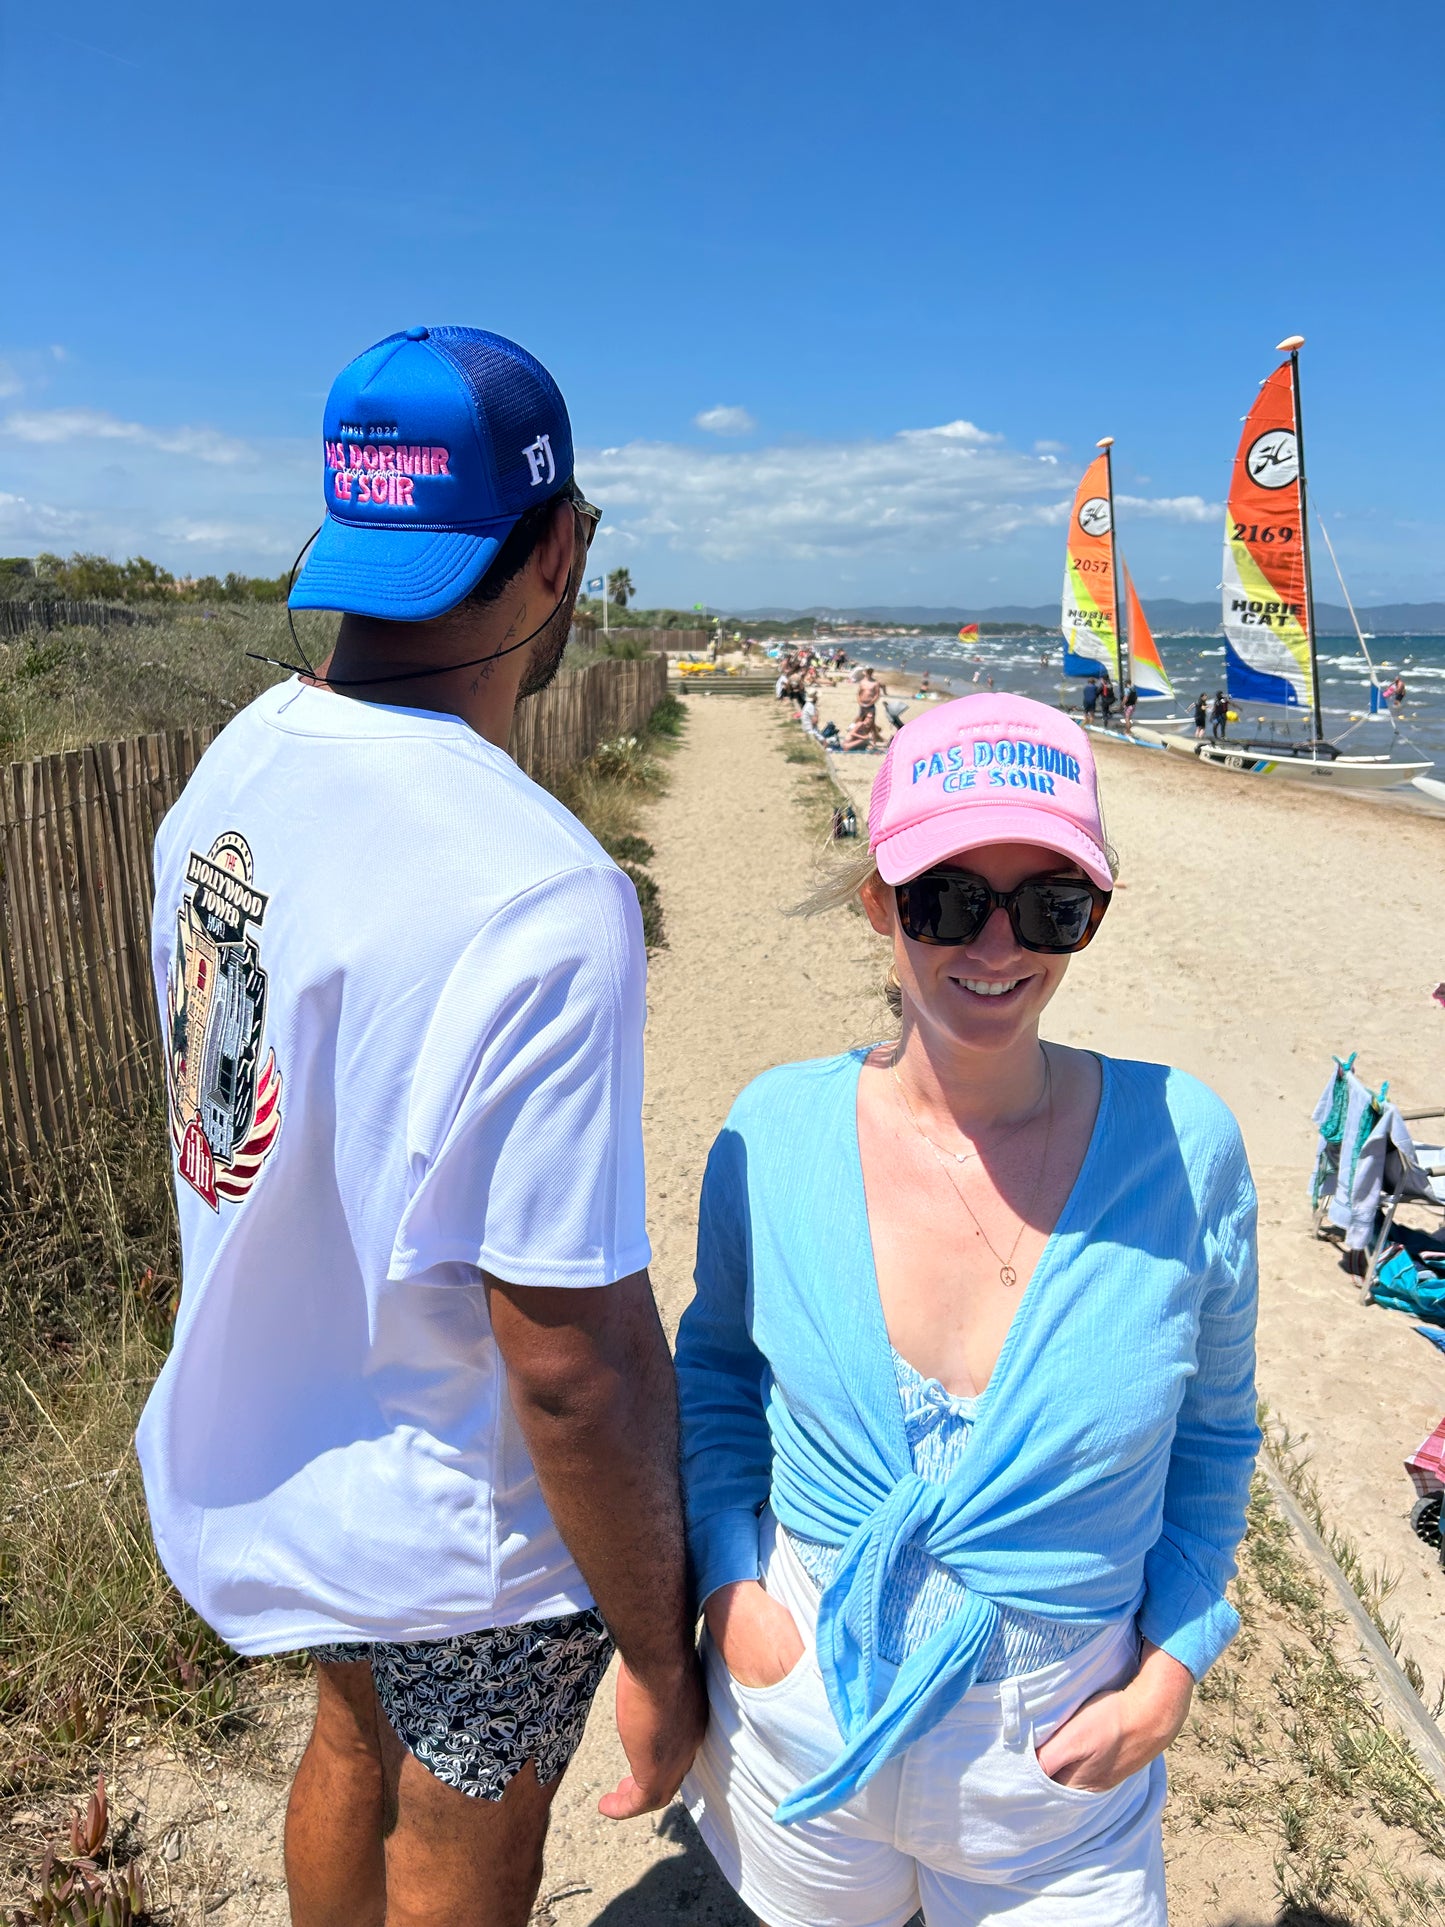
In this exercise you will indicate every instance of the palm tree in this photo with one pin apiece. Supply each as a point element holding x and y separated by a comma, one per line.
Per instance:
<point>619,586</point>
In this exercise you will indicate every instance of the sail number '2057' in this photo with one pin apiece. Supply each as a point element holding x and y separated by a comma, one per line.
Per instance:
<point>1089,564</point>
<point>1261,532</point>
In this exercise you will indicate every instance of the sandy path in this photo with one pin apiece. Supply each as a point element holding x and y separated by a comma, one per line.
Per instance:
<point>739,988</point>
<point>1257,930</point>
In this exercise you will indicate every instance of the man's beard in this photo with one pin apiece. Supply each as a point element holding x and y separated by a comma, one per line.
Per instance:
<point>549,648</point>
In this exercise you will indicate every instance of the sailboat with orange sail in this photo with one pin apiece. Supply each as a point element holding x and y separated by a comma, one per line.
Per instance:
<point>1096,640</point>
<point>1269,608</point>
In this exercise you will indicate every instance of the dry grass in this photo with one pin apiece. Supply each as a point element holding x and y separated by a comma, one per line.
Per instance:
<point>62,689</point>
<point>1288,1750</point>
<point>610,793</point>
<point>96,1648</point>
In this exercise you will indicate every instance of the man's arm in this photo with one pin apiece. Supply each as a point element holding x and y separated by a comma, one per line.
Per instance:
<point>593,1389</point>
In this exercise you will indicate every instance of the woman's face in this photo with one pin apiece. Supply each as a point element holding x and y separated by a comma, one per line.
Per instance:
<point>948,987</point>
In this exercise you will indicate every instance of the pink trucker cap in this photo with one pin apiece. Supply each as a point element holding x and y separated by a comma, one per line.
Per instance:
<point>986,769</point>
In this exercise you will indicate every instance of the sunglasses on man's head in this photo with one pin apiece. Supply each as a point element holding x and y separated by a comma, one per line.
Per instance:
<point>1052,915</point>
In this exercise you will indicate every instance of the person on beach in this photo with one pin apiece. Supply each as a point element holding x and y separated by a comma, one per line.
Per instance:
<point>1131,703</point>
<point>419,1417</point>
<point>1107,698</point>
<point>1219,716</point>
<point>967,1394</point>
<point>1201,715</point>
<point>869,690</point>
<point>1091,699</point>
<point>864,734</point>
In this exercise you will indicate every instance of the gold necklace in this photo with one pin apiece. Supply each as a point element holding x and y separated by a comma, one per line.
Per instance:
<point>1007,1276</point>
<point>962,1157</point>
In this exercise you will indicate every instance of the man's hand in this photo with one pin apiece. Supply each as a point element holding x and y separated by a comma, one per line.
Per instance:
<point>1116,1733</point>
<point>591,1382</point>
<point>758,1639</point>
<point>660,1733</point>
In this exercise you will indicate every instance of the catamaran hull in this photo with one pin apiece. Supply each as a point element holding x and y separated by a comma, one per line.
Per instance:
<point>1338,773</point>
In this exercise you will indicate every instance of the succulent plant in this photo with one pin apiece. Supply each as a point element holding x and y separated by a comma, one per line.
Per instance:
<point>77,1894</point>
<point>88,1831</point>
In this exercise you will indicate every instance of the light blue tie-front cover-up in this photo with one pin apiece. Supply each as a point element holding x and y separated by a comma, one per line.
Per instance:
<point>1110,1462</point>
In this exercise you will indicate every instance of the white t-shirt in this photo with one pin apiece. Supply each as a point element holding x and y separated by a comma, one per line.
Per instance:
<point>403,994</point>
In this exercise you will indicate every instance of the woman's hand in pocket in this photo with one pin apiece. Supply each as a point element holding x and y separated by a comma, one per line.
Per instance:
<point>1115,1734</point>
<point>758,1639</point>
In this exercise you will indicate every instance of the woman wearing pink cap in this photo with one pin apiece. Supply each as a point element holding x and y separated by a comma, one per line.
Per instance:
<point>967,1393</point>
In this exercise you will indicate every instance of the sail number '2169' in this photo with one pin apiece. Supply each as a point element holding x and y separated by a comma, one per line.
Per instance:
<point>1261,532</point>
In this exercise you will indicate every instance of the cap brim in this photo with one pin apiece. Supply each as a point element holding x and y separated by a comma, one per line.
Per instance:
<point>949,833</point>
<point>399,575</point>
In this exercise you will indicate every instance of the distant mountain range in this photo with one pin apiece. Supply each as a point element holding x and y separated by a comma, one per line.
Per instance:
<point>1165,614</point>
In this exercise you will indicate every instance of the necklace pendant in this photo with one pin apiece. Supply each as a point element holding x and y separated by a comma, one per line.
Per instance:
<point>1007,1275</point>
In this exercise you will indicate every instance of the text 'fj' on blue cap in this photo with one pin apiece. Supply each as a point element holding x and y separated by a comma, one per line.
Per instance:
<point>437,440</point>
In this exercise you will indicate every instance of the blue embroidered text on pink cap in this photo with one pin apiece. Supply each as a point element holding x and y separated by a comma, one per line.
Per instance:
<point>986,769</point>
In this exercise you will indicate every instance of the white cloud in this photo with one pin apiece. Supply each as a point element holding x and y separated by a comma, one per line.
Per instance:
<point>50,426</point>
<point>963,432</point>
<point>228,537</point>
<point>920,491</point>
<point>935,492</point>
<point>24,521</point>
<point>725,421</point>
<point>1051,448</point>
<point>1172,508</point>
<point>10,383</point>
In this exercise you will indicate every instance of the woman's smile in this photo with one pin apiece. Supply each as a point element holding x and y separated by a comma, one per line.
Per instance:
<point>988,987</point>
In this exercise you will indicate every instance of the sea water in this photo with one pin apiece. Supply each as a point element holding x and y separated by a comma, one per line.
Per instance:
<point>1033,666</point>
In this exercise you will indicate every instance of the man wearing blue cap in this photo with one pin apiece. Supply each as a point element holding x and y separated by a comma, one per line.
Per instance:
<point>419,1416</point>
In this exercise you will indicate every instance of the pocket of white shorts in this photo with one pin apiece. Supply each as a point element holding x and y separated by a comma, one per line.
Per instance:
<point>756,1695</point>
<point>1035,1766</point>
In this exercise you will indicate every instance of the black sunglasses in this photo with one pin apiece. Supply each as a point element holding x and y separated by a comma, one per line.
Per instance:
<point>1052,915</point>
<point>588,512</point>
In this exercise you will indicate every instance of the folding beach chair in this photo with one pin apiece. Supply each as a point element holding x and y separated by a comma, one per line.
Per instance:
<point>1366,1167</point>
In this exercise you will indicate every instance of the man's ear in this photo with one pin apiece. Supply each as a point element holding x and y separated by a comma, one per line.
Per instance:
<point>556,553</point>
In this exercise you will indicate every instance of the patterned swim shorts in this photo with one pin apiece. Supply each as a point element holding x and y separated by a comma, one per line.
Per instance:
<point>476,1708</point>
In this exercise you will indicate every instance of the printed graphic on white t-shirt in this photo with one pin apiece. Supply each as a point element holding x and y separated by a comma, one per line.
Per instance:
<point>225,1112</point>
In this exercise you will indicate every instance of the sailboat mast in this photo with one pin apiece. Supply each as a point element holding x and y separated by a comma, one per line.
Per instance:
<point>1106,442</point>
<point>1293,343</point>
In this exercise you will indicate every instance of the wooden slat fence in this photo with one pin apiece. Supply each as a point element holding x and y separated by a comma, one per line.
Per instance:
<point>19,618</point>
<point>78,1022</point>
<point>671,641</point>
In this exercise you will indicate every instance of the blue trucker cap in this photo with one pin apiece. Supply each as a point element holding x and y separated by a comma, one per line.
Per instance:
<point>436,442</point>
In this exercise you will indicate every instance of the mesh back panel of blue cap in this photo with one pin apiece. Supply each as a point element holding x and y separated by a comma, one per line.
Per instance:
<point>517,399</point>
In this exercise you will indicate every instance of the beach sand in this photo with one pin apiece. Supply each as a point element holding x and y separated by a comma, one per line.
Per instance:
<point>1254,932</point>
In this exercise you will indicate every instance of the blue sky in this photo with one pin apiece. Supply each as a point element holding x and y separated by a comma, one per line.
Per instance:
<point>840,297</point>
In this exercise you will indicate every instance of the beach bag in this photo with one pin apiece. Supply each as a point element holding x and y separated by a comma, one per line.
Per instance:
<point>1402,1285</point>
<point>1426,1464</point>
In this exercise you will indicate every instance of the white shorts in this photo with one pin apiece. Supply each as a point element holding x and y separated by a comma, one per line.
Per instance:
<point>964,1823</point>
